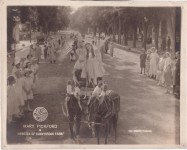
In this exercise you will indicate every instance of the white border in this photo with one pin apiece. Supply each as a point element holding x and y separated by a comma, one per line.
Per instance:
<point>95,3</point>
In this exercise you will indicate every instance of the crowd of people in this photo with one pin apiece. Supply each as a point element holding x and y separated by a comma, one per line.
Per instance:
<point>51,48</point>
<point>163,67</point>
<point>23,80</point>
<point>21,86</point>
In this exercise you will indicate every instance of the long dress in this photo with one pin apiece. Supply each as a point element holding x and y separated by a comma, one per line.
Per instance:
<point>28,85</point>
<point>12,101</point>
<point>98,64</point>
<point>90,69</point>
<point>153,63</point>
<point>160,69</point>
<point>147,64</point>
<point>168,71</point>
<point>81,62</point>
<point>19,91</point>
<point>52,53</point>
<point>35,68</point>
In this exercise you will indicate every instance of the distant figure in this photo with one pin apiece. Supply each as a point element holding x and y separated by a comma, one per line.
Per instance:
<point>143,57</point>
<point>168,43</point>
<point>163,44</point>
<point>45,52</point>
<point>168,72</point>
<point>176,75</point>
<point>147,64</point>
<point>38,52</point>
<point>32,50</point>
<point>160,68</point>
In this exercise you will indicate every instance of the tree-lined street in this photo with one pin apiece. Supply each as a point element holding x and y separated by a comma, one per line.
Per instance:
<point>147,114</point>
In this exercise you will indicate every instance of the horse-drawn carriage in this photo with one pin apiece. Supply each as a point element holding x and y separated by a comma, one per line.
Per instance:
<point>93,113</point>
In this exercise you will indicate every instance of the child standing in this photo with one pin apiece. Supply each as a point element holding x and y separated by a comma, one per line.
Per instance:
<point>143,57</point>
<point>72,55</point>
<point>19,90</point>
<point>160,68</point>
<point>28,88</point>
<point>168,72</point>
<point>12,105</point>
<point>28,67</point>
<point>35,68</point>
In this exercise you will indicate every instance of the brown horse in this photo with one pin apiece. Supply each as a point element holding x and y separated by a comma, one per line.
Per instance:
<point>74,117</point>
<point>104,115</point>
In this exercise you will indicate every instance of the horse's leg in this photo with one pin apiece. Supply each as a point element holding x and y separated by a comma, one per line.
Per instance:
<point>97,132</point>
<point>106,132</point>
<point>78,124</point>
<point>71,123</point>
<point>97,127</point>
<point>110,126</point>
<point>115,119</point>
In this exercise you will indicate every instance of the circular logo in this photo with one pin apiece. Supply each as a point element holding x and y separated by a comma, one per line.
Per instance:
<point>40,114</point>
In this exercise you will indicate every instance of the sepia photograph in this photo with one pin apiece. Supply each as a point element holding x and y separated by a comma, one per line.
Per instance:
<point>90,75</point>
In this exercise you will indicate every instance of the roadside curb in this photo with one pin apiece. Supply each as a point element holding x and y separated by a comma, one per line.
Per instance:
<point>127,48</point>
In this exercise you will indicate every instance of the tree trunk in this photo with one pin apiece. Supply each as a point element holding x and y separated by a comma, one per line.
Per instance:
<point>163,28</point>
<point>95,30</point>
<point>99,33</point>
<point>134,36</point>
<point>113,32</point>
<point>145,28</point>
<point>125,35</point>
<point>119,31</point>
<point>156,33</point>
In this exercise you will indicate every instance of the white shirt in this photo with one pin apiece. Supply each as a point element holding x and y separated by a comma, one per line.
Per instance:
<point>97,91</point>
<point>69,89</point>
<point>77,91</point>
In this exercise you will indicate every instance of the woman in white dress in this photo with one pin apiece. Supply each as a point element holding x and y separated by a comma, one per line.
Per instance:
<point>12,100</point>
<point>94,68</point>
<point>19,90</point>
<point>80,63</point>
<point>154,58</point>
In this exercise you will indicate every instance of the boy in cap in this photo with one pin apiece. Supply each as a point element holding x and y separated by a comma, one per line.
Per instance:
<point>143,57</point>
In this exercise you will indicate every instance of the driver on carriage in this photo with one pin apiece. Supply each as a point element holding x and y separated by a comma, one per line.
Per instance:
<point>96,92</point>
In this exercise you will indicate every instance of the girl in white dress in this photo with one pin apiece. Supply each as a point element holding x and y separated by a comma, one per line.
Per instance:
<point>35,68</point>
<point>94,68</point>
<point>28,88</point>
<point>12,99</point>
<point>29,67</point>
<point>17,66</point>
<point>80,63</point>
<point>19,90</point>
